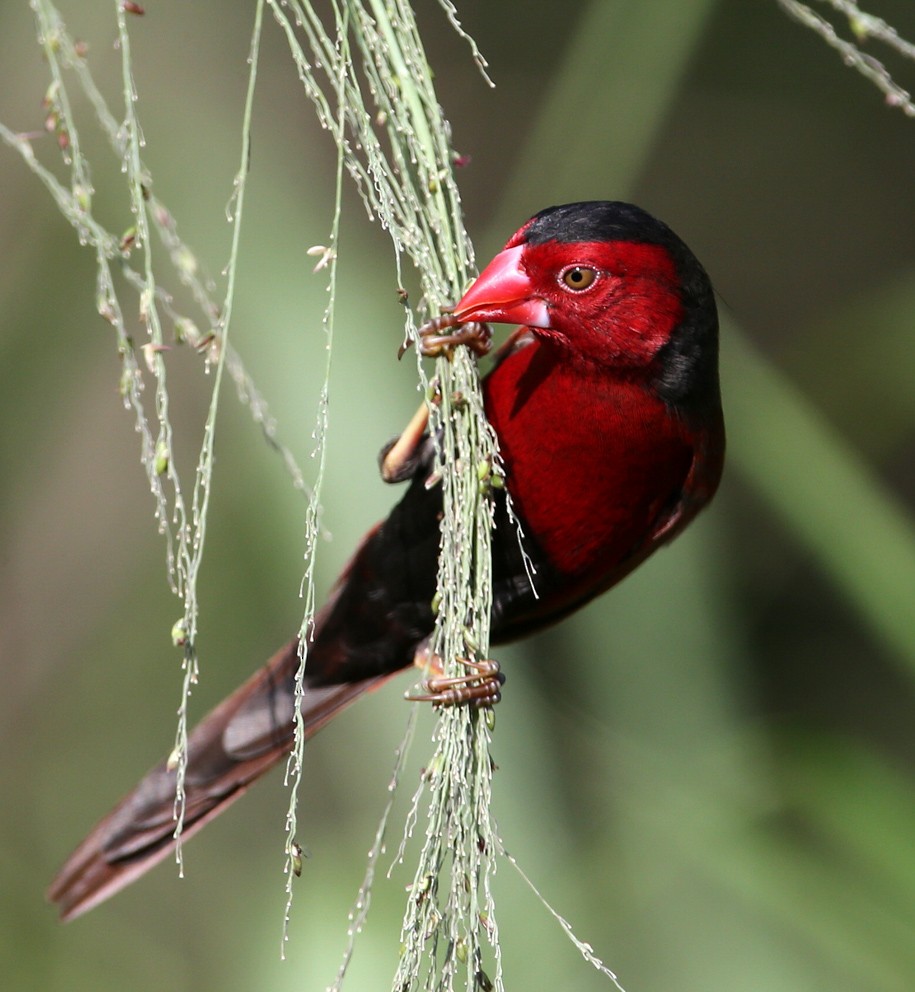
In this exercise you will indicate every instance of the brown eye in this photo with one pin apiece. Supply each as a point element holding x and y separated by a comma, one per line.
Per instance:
<point>578,277</point>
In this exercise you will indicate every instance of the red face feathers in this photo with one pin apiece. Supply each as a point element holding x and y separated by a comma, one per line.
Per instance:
<point>613,285</point>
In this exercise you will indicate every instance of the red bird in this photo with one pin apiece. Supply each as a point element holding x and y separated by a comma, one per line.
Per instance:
<point>607,409</point>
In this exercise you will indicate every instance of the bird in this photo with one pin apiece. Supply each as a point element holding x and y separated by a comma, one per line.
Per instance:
<point>606,405</point>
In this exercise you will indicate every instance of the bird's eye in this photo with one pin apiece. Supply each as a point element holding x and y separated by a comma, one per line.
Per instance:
<point>578,277</point>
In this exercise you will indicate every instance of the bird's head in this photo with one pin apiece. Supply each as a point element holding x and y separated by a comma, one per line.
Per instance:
<point>610,284</point>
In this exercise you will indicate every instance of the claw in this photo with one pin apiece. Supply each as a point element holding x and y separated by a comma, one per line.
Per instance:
<point>432,342</point>
<point>482,686</point>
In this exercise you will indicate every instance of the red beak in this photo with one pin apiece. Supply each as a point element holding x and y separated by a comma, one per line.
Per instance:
<point>503,294</point>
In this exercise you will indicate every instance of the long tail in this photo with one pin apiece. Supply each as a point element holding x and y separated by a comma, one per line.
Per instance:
<point>230,748</point>
<point>376,617</point>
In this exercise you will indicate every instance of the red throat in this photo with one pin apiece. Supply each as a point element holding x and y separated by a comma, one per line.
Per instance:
<point>590,465</point>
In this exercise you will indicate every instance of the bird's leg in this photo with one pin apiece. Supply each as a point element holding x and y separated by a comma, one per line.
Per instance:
<point>482,685</point>
<point>398,460</point>
<point>434,340</point>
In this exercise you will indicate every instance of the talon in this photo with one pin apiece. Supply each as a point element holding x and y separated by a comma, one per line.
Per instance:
<point>432,342</point>
<point>482,686</point>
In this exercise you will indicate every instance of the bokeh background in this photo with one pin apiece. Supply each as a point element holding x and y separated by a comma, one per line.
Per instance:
<point>711,771</point>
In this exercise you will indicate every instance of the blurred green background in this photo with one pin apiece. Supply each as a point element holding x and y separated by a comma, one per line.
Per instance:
<point>711,771</point>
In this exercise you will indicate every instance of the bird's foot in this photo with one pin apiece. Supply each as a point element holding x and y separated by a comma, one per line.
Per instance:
<point>433,340</point>
<point>399,458</point>
<point>481,686</point>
